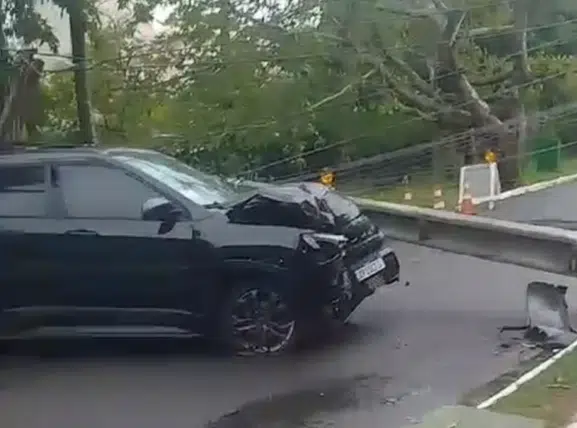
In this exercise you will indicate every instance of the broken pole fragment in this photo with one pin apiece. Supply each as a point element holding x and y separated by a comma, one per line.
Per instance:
<point>547,316</point>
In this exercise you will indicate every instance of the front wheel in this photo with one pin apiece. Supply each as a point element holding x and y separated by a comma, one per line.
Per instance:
<point>258,319</point>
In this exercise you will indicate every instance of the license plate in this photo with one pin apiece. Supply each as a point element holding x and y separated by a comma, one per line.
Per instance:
<point>370,269</point>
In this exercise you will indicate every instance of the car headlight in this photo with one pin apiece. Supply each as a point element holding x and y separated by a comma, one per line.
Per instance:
<point>337,240</point>
<point>310,241</point>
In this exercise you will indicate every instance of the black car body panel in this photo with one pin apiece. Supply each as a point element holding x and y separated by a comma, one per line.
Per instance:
<point>135,249</point>
<point>324,210</point>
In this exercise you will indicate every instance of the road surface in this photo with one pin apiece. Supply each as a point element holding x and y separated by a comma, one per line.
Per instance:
<point>409,350</point>
<point>554,203</point>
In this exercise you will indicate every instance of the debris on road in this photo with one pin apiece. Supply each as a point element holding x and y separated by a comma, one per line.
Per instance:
<point>548,324</point>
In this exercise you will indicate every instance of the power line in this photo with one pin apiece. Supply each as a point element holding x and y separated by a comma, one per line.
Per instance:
<point>403,123</point>
<point>272,58</point>
<point>308,111</point>
<point>352,139</point>
<point>273,121</point>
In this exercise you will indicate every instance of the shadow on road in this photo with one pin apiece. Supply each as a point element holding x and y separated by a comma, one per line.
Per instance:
<point>143,349</point>
<point>308,407</point>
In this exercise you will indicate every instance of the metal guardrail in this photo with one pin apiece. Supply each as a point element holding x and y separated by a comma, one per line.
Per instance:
<point>544,248</point>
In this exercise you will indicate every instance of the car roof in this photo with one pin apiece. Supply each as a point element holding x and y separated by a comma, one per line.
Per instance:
<point>35,154</point>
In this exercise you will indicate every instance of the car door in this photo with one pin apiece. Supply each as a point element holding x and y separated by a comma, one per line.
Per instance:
<point>30,276</point>
<point>130,275</point>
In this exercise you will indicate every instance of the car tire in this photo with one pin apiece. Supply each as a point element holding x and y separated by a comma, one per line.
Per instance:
<point>257,319</point>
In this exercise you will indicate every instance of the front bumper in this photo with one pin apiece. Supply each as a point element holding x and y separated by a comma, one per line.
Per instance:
<point>351,291</point>
<point>388,273</point>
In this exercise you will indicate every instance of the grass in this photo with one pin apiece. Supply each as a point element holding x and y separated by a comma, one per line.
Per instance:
<point>422,194</point>
<point>551,396</point>
<point>422,191</point>
<point>568,166</point>
<point>476,396</point>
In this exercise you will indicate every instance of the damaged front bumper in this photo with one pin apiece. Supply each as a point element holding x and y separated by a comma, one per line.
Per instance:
<point>363,278</point>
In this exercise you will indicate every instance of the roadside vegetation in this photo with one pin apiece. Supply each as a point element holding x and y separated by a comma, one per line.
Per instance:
<point>280,91</point>
<point>422,190</point>
<point>551,396</point>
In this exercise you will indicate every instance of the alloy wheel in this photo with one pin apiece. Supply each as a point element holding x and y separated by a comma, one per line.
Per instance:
<point>262,322</point>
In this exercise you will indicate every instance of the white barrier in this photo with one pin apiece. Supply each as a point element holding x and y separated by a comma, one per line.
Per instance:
<point>483,183</point>
<point>544,248</point>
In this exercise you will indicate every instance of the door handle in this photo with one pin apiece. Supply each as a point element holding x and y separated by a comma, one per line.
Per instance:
<point>10,232</point>
<point>82,232</point>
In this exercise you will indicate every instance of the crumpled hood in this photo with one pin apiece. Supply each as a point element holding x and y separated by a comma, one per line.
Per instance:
<point>309,206</point>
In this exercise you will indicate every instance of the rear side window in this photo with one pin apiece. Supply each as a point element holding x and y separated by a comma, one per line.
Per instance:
<point>22,191</point>
<point>100,192</point>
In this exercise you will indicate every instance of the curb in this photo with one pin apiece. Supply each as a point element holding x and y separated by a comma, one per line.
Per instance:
<point>531,374</point>
<point>531,188</point>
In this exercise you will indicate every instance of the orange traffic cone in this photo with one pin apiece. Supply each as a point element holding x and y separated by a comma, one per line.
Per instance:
<point>467,205</point>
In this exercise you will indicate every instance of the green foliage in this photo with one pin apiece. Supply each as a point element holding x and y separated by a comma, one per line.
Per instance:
<point>234,85</point>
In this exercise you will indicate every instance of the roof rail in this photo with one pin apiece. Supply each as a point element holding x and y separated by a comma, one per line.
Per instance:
<point>20,147</point>
<point>63,145</point>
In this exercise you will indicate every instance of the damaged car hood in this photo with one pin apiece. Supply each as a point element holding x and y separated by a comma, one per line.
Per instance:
<point>301,205</point>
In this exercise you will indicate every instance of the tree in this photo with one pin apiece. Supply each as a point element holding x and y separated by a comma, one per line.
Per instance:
<point>19,73</point>
<point>124,85</point>
<point>432,77</point>
<point>306,83</point>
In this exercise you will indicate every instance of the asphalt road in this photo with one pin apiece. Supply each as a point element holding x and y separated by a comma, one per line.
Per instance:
<point>559,202</point>
<point>408,350</point>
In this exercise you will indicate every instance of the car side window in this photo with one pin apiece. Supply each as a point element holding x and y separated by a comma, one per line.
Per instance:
<point>22,191</point>
<point>93,191</point>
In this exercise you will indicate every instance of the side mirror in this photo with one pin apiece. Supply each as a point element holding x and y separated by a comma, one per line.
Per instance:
<point>160,209</point>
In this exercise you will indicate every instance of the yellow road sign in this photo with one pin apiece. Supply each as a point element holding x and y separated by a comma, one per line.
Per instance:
<point>328,178</point>
<point>490,156</point>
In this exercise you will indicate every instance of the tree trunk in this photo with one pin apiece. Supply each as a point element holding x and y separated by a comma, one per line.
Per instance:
<point>456,82</point>
<point>77,18</point>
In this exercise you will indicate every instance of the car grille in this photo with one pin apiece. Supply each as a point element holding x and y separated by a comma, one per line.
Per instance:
<point>376,281</point>
<point>359,229</point>
<point>364,239</point>
<point>389,275</point>
<point>361,249</point>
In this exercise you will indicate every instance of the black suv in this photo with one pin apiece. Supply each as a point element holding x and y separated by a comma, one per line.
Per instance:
<point>133,243</point>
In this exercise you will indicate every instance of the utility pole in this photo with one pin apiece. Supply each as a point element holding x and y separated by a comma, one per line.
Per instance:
<point>77,17</point>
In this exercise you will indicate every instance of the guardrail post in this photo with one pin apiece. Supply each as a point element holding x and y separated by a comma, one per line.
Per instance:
<point>424,230</point>
<point>573,261</point>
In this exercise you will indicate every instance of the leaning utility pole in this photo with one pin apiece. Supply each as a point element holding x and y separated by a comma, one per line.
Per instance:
<point>77,17</point>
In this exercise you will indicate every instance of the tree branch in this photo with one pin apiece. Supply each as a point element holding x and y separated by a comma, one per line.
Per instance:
<point>494,80</point>
<point>406,96</point>
<point>485,31</point>
<point>343,91</point>
<point>408,13</point>
<point>440,5</point>
<point>413,76</point>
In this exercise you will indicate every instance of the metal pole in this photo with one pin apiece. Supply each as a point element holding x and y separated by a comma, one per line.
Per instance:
<point>77,19</point>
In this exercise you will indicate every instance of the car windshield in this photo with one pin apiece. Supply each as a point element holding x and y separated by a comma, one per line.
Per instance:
<point>203,189</point>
